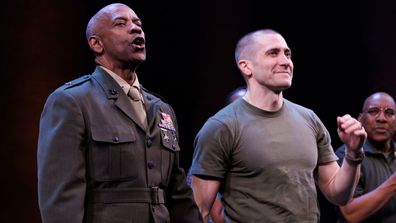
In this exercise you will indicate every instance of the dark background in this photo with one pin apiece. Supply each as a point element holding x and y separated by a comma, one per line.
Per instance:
<point>342,50</point>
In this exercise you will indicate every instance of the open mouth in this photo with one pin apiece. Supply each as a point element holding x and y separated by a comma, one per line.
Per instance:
<point>138,43</point>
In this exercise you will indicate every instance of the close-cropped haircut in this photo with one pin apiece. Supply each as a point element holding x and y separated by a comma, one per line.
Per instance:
<point>246,44</point>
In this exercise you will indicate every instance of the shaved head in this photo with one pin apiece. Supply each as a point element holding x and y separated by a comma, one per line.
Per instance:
<point>247,44</point>
<point>94,23</point>
<point>375,97</point>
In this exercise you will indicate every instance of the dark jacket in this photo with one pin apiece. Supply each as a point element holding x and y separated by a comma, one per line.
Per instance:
<point>96,164</point>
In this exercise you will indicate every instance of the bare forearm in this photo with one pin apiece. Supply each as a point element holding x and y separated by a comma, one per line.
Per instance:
<point>338,184</point>
<point>217,212</point>
<point>204,195</point>
<point>345,183</point>
<point>202,203</point>
<point>368,204</point>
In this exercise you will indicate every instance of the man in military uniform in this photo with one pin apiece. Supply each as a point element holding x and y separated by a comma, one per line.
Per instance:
<point>104,156</point>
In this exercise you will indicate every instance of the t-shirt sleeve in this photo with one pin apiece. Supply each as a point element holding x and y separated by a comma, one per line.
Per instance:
<point>211,149</point>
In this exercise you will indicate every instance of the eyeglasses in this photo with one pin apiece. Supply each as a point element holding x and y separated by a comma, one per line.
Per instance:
<point>375,111</point>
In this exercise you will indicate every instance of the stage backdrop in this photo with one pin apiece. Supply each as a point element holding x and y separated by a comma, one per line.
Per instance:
<point>342,51</point>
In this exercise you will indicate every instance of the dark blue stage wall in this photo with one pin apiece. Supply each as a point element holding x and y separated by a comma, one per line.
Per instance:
<point>342,53</point>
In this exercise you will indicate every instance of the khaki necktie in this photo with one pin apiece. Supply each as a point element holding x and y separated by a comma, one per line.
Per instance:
<point>138,106</point>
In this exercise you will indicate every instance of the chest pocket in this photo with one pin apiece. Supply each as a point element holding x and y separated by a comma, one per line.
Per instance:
<point>169,140</point>
<point>168,136</point>
<point>170,148</point>
<point>111,153</point>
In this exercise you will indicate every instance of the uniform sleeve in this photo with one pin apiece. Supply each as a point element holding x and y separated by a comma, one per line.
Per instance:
<point>61,160</point>
<point>211,148</point>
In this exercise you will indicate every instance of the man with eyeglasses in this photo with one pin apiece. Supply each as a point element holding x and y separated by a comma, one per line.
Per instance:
<point>375,195</point>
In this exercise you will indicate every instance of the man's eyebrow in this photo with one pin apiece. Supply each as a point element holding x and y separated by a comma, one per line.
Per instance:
<point>278,49</point>
<point>273,49</point>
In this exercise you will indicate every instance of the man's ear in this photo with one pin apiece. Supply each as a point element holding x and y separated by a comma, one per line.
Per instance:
<point>244,66</point>
<point>95,44</point>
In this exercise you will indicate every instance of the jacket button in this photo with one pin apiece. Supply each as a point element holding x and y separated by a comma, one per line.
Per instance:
<point>149,97</point>
<point>116,139</point>
<point>150,164</point>
<point>113,91</point>
<point>174,146</point>
<point>149,142</point>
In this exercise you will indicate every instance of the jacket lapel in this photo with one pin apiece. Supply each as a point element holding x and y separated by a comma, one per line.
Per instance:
<point>149,103</point>
<point>114,92</point>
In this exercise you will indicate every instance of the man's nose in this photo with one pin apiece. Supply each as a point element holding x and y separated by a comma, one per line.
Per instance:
<point>135,28</point>
<point>284,59</point>
<point>381,115</point>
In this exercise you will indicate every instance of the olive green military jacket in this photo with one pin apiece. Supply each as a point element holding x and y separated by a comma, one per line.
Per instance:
<point>97,164</point>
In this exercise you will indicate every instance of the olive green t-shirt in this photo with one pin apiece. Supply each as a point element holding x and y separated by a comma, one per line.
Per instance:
<point>266,161</point>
